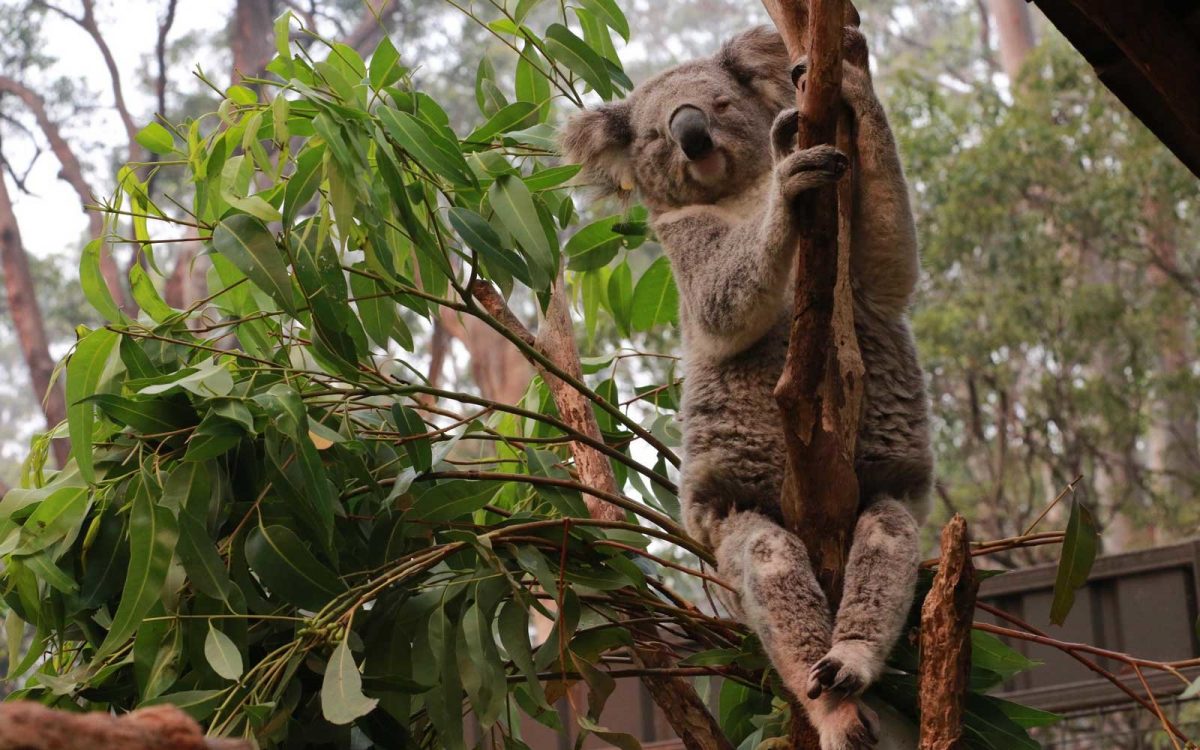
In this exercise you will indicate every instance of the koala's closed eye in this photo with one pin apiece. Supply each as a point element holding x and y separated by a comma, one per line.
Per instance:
<point>651,135</point>
<point>721,104</point>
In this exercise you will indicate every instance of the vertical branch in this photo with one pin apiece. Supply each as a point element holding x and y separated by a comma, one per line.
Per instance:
<point>945,667</point>
<point>820,390</point>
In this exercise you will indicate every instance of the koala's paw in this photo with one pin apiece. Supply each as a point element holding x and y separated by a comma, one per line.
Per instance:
<point>847,670</point>
<point>783,133</point>
<point>809,169</point>
<point>847,725</point>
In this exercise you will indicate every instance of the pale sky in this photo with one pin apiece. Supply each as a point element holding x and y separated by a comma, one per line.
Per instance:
<point>51,218</point>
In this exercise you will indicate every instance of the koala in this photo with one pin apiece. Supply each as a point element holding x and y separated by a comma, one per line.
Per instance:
<point>709,147</point>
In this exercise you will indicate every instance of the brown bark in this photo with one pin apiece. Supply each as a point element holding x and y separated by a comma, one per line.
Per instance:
<point>25,725</point>
<point>682,707</point>
<point>250,37</point>
<point>27,319</point>
<point>1014,29</point>
<point>820,390</point>
<point>819,393</point>
<point>71,172</point>
<point>945,667</point>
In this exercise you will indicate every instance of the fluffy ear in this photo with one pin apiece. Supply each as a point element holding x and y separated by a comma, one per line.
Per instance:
<point>599,139</point>
<point>758,59</point>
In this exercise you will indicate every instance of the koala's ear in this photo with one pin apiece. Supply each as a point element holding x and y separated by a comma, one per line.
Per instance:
<point>758,59</point>
<point>599,139</point>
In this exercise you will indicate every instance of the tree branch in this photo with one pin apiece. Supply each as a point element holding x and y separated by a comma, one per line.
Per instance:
<point>945,664</point>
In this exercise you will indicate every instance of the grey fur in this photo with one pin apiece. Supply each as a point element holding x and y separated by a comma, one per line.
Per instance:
<point>730,230</point>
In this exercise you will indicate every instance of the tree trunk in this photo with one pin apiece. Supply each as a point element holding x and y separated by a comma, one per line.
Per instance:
<point>250,37</point>
<point>1014,29</point>
<point>27,319</point>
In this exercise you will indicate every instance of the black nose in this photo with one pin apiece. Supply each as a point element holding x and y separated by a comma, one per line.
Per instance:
<point>689,128</point>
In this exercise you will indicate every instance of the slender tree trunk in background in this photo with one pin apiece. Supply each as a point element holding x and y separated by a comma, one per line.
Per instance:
<point>250,37</point>
<point>27,319</point>
<point>71,172</point>
<point>1014,28</point>
<point>1174,445</point>
<point>498,368</point>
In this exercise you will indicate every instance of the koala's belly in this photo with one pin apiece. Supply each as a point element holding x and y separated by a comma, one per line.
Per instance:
<point>733,439</point>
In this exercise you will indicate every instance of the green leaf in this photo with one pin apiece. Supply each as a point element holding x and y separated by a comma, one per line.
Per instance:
<point>655,300</point>
<point>506,119</point>
<point>531,83</point>
<point>416,440</point>
<point>153,533</point>
<point>342,699</point>
<point>198,704</point>
<point>429,147</point>
<point>83,378</point>
<point>1075,562</point>
<point>222,654</point>
<point>513,627</point>
<point>563,45</point>
<point>385,65</point>
<point>554,176</point>
<point>251,247</point>
<point>288,569</point>
<point>620,297</point>
<point>452,499</point>
<point>212,437</point>
<point>156,139</point>
<point>203,565</point>
<point>480,236</point>
<point>56,517</point>
<point>149,416</point>
<point>375,306</point>
<point>95,288</point>
<point>610,14</point>
<point>303,184</point>
<point>513,205</point>
<point>594,245</point>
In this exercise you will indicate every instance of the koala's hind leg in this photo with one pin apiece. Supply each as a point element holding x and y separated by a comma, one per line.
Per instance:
<point>778,596</point>
<point>878,591</point>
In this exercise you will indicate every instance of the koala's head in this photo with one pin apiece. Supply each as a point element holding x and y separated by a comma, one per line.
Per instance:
<point>692,134</point>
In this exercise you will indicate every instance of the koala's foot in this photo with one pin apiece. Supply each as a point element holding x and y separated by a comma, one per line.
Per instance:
<point>847,670</point>
<point>809,169</point>
<point>846,724</point>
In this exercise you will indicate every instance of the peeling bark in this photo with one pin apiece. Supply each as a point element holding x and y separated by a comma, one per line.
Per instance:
<point>25,725</point>
<point>945,667</point>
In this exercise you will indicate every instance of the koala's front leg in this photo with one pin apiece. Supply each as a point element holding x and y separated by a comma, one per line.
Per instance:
<point>881,576</point>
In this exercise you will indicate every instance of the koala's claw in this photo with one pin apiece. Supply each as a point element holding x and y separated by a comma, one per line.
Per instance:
<point>831,675</point>
<point>810,169</point>
<point>798,71</point>
<point>783,132</point>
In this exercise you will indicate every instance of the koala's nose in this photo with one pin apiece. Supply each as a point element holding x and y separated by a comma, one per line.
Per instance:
<point>689,128</point>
